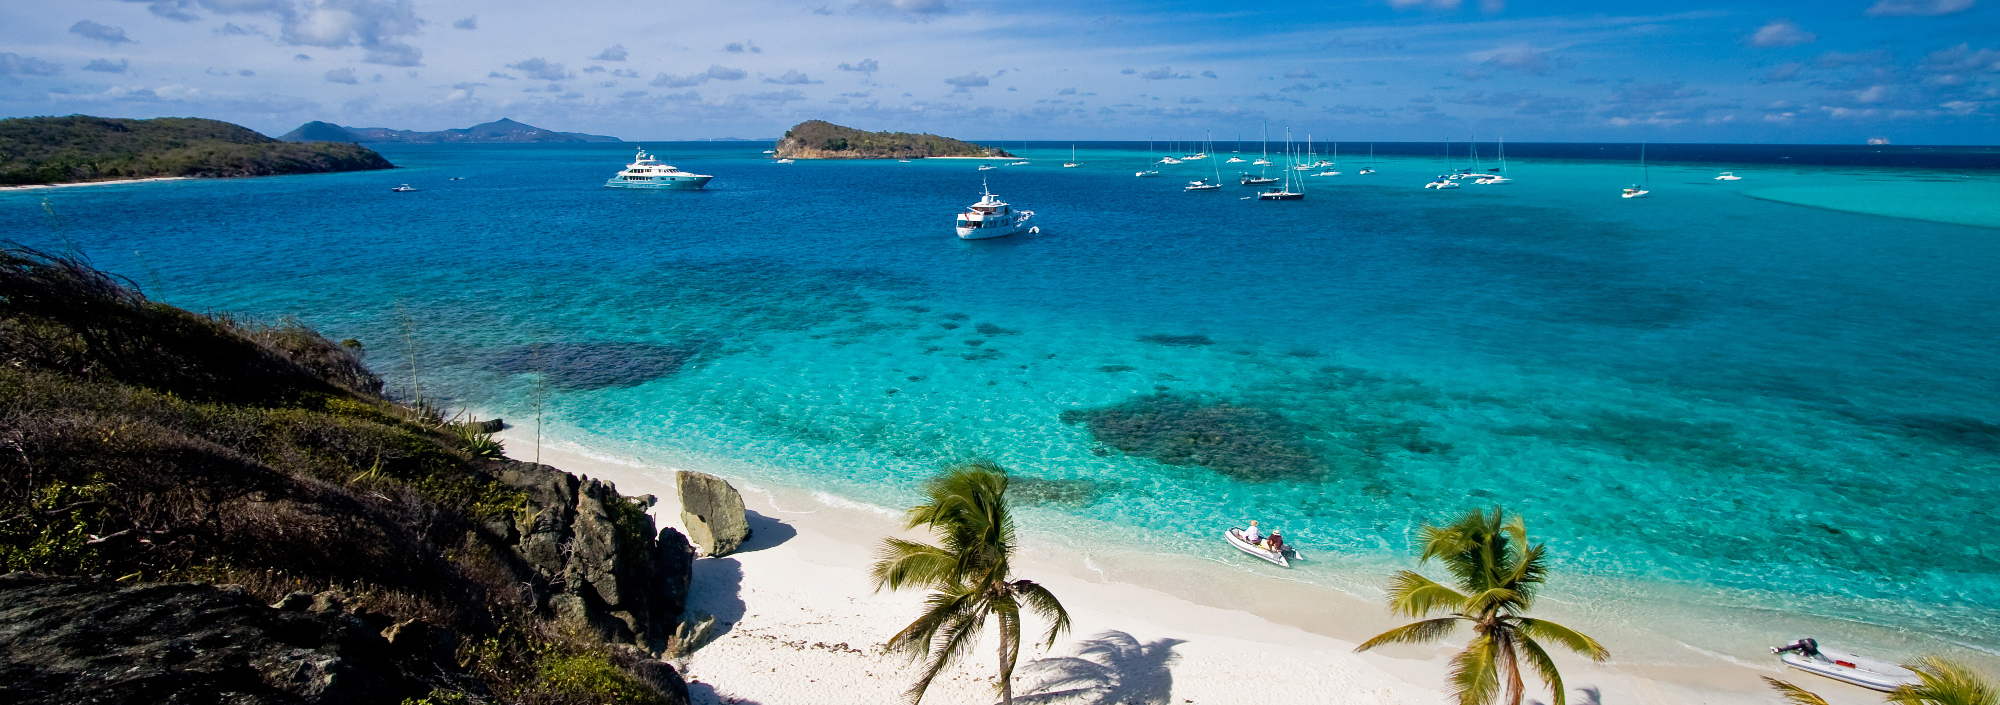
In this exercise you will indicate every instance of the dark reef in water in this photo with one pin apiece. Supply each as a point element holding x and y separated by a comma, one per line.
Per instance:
<point>1244,442</point>
<point>1073,492</point>
<point>1186,341</point>
<point>596,365</point>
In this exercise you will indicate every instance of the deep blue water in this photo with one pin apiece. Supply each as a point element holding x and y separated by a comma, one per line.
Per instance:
<point>1759,408</point>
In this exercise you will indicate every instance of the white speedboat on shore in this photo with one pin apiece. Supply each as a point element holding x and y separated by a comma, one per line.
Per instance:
<point>647,172</point>
<point>1235,538</point>
<point>1729,176</point>
<point>1873,674</point>
<point>992,217</point>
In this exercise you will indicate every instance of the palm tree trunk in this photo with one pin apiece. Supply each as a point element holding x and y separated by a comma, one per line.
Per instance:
<point>1007,653</point>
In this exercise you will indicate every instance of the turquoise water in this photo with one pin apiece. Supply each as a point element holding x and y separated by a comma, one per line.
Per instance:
<point>1767,409</point>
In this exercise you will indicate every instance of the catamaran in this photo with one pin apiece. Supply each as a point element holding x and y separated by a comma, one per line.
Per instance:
<point>1497,175</point>
<point>1370,169</point>
<point>1286,192</point>
<point>647,172</point>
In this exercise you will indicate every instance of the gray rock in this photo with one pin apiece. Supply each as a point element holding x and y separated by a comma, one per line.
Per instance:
<point>713,513</point>
<point>294,602</point>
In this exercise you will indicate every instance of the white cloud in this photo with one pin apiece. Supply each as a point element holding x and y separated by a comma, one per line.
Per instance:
<point>1524,60</point>
<point>342,76</point>
<point>1425,4</point>
<point>1780,33</point>
<point>784,96</point>
<point>962,84</point>
<point>15,64</point>
<point>538,68</point>
<point>1162,73</point>
<point>471,22</point>
<point>667,80</point>
<point>1301,73</point>
<point>724,73</point>
<point>864,66</point>
<point>615,53</point>
<point>1918,8</point>
<point>100,32</point>
<point>792,78</point>
<point>377,26</point>
<point>107,65</point>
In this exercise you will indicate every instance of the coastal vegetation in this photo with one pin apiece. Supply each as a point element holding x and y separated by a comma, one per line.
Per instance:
<point>501,131</point>
<point>1941,682</point>
<point>197,468</point>
<point>968,573</point>
<point>44,150</point>
<point>819,139</point>
<point>1497,574</point>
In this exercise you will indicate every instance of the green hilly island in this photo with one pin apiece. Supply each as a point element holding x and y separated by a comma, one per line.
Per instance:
<point>44,150</point>
<point>819,139</point>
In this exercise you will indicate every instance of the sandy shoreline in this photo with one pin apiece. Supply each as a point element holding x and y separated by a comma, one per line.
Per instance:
<point>72,184</point>
<point>804,625</point>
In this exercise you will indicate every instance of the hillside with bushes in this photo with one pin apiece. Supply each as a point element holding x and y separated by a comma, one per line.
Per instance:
<point>46,150</point>
<point>819,139</point>
<point>199,508</point>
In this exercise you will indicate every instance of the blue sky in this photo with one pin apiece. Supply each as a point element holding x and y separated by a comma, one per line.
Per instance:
<point>1835,71</point>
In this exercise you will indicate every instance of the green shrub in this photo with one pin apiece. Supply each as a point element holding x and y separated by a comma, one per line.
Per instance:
<point>591,678</point>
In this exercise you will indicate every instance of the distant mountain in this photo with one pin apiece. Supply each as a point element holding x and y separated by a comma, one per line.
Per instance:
<point>502,131</point>
<point>819,139</point>
<point>40,150</point>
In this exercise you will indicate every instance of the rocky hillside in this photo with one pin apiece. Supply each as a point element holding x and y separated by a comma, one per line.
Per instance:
<point>502,131</point>
<point>819,139</point>
<point>200,509</point>
<point>42,150</point>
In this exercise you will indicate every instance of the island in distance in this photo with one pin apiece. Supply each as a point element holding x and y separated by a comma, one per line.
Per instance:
<point>82,148</point>
<point>819,139</point>
<point>502,131</point>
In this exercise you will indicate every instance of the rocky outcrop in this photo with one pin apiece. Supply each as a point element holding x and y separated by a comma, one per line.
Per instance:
<point>79,640</point>
<point>595,559</point>
<point>712,512</point>
<point>819,139</point>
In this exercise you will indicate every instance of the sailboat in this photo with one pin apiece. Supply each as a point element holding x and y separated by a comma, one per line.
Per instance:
<point>1370,169</point>
<point>1072,163</point>
<point>1266,159</point>
<point>1332,167</point>
<point>1286,192</point>
<point>1303,164</point>
<point>1635,190</point>
<point>1142,173</point>
<point>1497,175</point>
<point>1444,181</point>
<point>1205,184</point>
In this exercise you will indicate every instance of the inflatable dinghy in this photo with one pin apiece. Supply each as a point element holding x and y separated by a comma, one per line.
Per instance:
<point>1874,674</point>
<point>1235,538</point>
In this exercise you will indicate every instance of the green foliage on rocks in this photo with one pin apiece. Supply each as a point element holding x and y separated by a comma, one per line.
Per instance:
<point>819,139</point>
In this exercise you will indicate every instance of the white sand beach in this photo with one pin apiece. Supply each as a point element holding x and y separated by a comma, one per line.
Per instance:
<point>109,182</point>
<point>799,623</point>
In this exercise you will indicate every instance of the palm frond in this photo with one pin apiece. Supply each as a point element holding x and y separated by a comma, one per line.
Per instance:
<point>1475,673</point>
<point>1544,666</point>
<point>1794,694</point>
<point>1945,682</point>
<point>1422,632</point>
<point>953,640</point>
<point>940,608</point>
<point>1491,600</point>
<point>1570,638</point>
<point>1417,596</point>
<point>1044,605</point>
<point>910,564</point>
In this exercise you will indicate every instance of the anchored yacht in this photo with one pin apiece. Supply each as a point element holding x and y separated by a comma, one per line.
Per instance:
<point>647,172</point>
<point>992,217</point>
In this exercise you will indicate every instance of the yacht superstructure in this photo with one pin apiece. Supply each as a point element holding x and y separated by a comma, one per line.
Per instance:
<point>647,172</point>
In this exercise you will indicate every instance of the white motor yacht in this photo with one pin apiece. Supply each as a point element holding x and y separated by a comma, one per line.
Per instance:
<point>992,217</point>
<point>1169,160</point>
<point>647,172</point>
<point>405,188</point>
<point>1202,184</point>
<point>1634,191</point>
<point>1729,176</point>
<point>1234,160</point>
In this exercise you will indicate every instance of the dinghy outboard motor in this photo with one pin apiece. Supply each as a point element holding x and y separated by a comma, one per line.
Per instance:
<point>1805,647</point>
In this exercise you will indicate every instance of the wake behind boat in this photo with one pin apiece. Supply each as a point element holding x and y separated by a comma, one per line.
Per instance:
<point>647,172</point>
<point>1873,674</point>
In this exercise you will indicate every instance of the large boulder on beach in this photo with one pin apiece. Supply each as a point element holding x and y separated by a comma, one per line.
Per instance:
<point>713,513</point>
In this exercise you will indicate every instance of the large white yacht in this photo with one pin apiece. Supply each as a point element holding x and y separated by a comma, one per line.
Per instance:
<point>992,217</point>
<point>647,172</point>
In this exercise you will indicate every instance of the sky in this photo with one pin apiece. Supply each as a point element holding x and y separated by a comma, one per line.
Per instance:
<point>1829,71</point>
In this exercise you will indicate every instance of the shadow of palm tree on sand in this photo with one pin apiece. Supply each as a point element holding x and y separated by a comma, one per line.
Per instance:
<point>1111,669</point>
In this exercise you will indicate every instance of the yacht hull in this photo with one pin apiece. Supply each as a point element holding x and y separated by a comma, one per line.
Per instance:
<point>990,233</point>
<point>665,183</point>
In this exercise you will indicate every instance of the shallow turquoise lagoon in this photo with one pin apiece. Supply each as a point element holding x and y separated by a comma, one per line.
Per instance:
<point>1735,409</point>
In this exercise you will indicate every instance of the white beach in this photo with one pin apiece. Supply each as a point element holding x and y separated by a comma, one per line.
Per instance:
<point>800,623</point>
<point>108,182</point>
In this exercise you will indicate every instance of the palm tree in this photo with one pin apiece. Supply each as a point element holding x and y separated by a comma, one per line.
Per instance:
<point>1941,682</point>
<point>967,574</point>
<point>1497,574</point>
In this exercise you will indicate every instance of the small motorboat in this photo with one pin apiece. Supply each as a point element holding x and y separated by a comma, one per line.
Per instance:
<point>1249,180</point>
<point>782,161</point>
<point>1169,160</point>
<point>1366,170</point>
<point>456,178</point>
<point>1235,160</point>
<point>1202,185</point>
<point>1328,172</point>
<point>1442,183</point>
<point>1729,176</point>
<point>987,167</point>
<point>1023,162</point>
<point>405,188</point>
<point>1235,538</point>
<point>1873,674</point>
<point>902,161</point>
<point>1634,192</point>
<point>1146,173</point>
<point>770,151</point>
